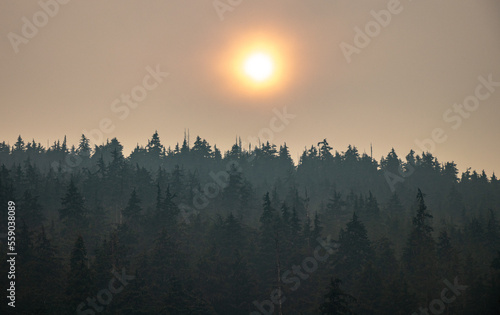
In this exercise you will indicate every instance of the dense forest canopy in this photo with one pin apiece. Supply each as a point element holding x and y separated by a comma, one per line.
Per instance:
<point>193,230</point>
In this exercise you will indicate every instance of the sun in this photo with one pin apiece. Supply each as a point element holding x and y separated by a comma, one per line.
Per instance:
<point>259,66</point>
<point>256,65</point>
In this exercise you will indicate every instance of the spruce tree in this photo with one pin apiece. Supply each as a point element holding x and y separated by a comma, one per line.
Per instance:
<point>73,211</point>
<point>337,302</point>
<point>419,257</point>
<point>133,209</point>
<point>354,248</point>
<point>79,281</point>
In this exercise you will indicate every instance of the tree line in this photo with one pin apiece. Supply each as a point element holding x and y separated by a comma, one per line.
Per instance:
<point>101,232</point>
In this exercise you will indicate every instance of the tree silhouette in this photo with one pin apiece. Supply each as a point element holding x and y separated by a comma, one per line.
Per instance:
<point>337,302</point>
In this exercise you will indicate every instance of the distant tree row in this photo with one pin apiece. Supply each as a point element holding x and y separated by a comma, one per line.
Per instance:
<point>199,231</point>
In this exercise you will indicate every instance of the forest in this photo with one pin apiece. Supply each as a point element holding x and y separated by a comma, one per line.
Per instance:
<point>196,230</point>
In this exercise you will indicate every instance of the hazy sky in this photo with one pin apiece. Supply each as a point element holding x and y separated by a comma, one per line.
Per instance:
<point>68,72</point>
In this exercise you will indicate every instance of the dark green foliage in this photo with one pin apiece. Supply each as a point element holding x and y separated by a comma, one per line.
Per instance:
<point>419,256</point>
<point>73,211</point>
<point>133,209</point>
<point>79,280</point>
<point>31,210</point>
<point>354,247</point>
<point>337,302</point>
<point>188,223</point>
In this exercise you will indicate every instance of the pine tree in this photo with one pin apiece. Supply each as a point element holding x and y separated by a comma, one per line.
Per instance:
<point>168,210</point>
<point>391,163</point>
<point>236,192</point>
<point>268,234</point>
<point>154,146</point>
<point>31,210</point>
<point>47,294</point>
<point>73,211</point>
<point>372,210</point>
<point>133,209</point>
<point>492,230</point>
<point>233,239</point>
<point>285,214</point>
<point>295,229</point>
<point>337,302</point>
<point>324,150</point>
<point>135,299</point>
<point>84,149</point>
<point>334,205</point>
<point>317,228</point>
<point>448,259</point>
<point>24,267</point>
<point>177,182</point>
<point>369,288</point>
<point>419,255</point>
<point>79,281</point>
<point>307,231</point>
<point>354,247</point>
<point>19,146</point>
<point>394,207</point>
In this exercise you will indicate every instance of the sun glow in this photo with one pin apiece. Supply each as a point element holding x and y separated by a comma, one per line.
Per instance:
<point>259,66</point>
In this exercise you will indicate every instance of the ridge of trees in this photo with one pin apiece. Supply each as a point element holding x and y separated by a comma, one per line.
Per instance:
<point>83,213</point>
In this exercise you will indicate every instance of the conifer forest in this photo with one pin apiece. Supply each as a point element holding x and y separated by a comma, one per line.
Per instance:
<point>249,157</point>
<point>192,229</point>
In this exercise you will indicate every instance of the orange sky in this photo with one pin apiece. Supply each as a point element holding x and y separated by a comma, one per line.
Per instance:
<point>65,78</point>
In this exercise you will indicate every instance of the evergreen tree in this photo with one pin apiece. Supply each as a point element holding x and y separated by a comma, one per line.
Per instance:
<point>154,146</point>
<point>133,209</point>
<point>369,288</point>
<point>79,281</point>
<point>84,149</point>
<point>317,228</point>
<point>268,236</point>
<point>47,295</point>
<point>448,259</point>
<point>324,150</point>
<point>354,247</point>
<point>335,204</point>
<point>337,302</point>
<point>73,211</point>
<point>492,230</point>
<point>19,146</point>
<point>371,207</point>
<point>31,210</point>
<point>419,254</point>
